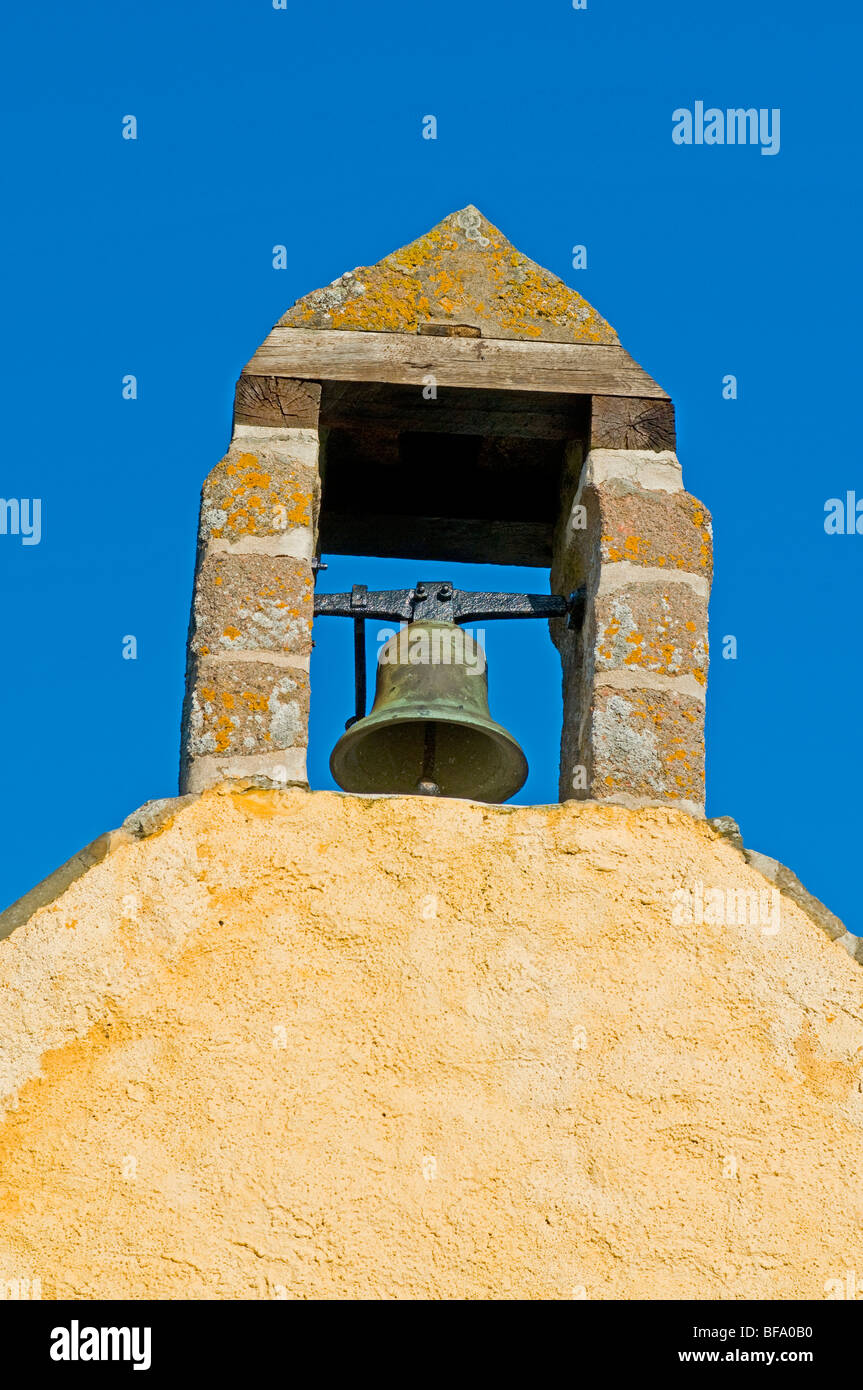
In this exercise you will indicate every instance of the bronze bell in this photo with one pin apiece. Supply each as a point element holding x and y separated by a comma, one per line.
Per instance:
<point>429,730</point>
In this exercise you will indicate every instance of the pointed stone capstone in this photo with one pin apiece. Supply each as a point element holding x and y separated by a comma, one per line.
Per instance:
<point>463,272</point>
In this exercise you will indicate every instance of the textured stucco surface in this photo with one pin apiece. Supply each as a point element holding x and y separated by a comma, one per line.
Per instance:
<point>301,1044</point>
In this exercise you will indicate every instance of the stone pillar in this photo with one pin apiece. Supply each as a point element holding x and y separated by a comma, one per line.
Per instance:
<point>634,679</point>
<point>247,675</point>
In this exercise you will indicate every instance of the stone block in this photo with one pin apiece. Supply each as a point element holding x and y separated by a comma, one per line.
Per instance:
<point>650,469</point>
<point>280,770</point>
<point>629,508</point>
<point>251,602</point>
<point>241,708</point>
<point>262,493</point>
<point>648,743</point>
<point>636,745</point>
<point>154,816</point>
<point>853,945</point>
<point>728,829</point>
<point>666,530</point>
<point>647,626</point>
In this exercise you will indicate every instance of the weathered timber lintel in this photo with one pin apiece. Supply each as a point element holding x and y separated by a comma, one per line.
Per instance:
<point>405,358</point>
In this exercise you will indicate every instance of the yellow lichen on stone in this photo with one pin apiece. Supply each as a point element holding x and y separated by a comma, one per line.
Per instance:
<point>465,271</point>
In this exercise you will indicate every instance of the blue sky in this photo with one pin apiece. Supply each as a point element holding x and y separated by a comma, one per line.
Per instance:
<point>260,126</point>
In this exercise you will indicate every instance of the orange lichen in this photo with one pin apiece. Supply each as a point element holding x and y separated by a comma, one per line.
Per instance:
<point>224,731</point>
<point>463,268</point>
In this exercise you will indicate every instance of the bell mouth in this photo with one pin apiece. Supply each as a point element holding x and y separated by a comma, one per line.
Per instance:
<point>387,753</point>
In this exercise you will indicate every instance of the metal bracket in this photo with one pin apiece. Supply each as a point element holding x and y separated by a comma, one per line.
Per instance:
<point>435,600</point>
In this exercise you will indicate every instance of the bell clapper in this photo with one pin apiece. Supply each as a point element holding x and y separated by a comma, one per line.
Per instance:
<point>427,786</point>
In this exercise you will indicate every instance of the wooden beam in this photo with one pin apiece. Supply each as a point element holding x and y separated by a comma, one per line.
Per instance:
<point>273,400</point>
<point>629,422</point>
<point>513,414</point>
<point>492,363</point>
<point>437,539</point>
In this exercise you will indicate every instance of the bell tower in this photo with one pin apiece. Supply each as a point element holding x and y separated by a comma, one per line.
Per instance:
<point>454,402</point>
